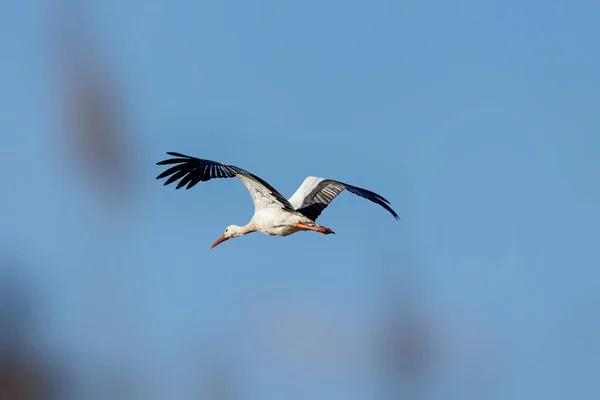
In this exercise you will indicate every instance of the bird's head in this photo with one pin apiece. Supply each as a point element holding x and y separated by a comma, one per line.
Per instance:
<point>230,232</point>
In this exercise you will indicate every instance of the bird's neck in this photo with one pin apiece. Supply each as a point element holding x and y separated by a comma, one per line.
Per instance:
<point>248,228</point>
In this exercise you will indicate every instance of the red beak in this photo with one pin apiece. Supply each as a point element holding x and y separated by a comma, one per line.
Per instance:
<point>219,240</point>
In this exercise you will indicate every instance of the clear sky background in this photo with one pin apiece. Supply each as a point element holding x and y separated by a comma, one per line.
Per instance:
<point>478,120</point>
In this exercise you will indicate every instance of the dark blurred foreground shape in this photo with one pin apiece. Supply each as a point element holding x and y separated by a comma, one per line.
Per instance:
<point>22,379</point>
<point>406,343</point>
<point>95,133</point>
<point>22,374</point>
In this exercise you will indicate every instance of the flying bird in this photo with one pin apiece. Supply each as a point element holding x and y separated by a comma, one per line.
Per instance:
<point>274,214</point>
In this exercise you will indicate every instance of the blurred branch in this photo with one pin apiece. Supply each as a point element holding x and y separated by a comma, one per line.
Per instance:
<point>96,139</point>
<point>22,376</point>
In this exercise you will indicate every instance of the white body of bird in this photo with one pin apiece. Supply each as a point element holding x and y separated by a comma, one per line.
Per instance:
<point>278,222</point>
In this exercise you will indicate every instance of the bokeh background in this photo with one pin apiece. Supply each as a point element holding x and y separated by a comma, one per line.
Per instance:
<point>478,120</point>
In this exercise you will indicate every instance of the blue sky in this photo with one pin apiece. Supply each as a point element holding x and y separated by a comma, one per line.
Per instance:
<point>477,120</point>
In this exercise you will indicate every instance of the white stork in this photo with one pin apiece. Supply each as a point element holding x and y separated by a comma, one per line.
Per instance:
<point>273,215</point>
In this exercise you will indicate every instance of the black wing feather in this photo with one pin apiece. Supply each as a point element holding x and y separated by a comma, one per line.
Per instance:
<point>171,161</point>
<point>374,197</point>
<point>176,176</point>
<point>170,171</point>
<point>192,170</point>
<point>172,153</point>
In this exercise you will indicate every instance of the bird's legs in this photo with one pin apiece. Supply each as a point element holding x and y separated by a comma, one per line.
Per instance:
<point>320,229</point>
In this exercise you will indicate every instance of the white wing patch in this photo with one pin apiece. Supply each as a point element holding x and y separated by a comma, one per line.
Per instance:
<point>262,197</point>
<point>304,190</point>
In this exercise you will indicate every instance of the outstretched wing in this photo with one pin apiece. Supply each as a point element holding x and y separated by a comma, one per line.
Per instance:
<point>191,170</point>
<point>315,194</point>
